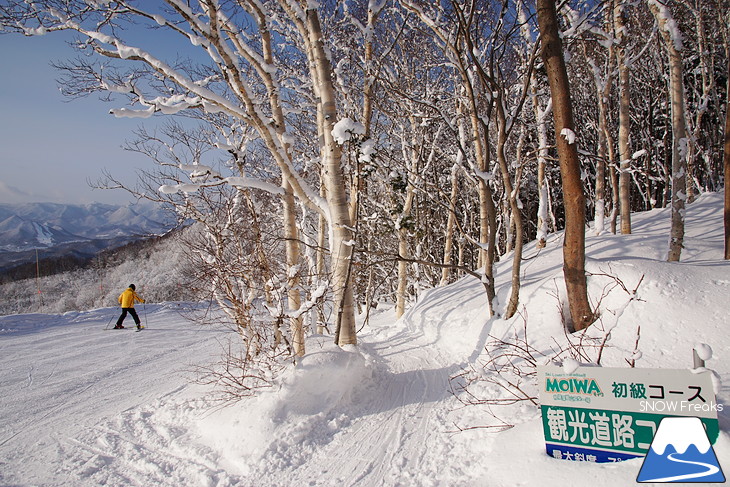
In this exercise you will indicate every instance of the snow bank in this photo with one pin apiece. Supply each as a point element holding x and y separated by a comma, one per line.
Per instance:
<point>302,411</point>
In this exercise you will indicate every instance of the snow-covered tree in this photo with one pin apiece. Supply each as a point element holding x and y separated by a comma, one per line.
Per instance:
<point>383,144</point>
<point>673,44</point>
<point>239,65</point>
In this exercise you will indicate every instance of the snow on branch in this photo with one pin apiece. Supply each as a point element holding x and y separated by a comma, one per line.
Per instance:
<point>569,135</point>
<point>166,105</point>
<point>253,183</point>
<point>667,23</point>
<point>132,113</point>
<point>345,129</point>
<point>183,188</point>
<point>235,181</point>
<point>205,98</point>
<point>317,295</point>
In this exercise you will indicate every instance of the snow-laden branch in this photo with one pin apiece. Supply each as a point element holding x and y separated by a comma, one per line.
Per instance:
<point>122,51</point>
<point>235,181</point>
<point>315,298</point>
<point>344,129</point>
<point>667,23</point>
<point>253,183</point>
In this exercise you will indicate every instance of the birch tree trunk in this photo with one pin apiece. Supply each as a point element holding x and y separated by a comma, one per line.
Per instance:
<point>322,239</point>
<point>487,209</point>
<point>487,215</point>
<point>603,92</point>
<point>613,177</point>
<point>411,152</point>
<point>516,216</point>
<point>402,289</point>
<point>726,164</point>
<point>574,243</point>
<point>334,182</point>
<point>292,262</point>
<point>358,183</point>
<point>599,216</point>
<point>291,235</point>
<point>624,180</point>
<point>543,207</point>
<point>679,129</point>
<point>450,222</point>
<point>707,69</point>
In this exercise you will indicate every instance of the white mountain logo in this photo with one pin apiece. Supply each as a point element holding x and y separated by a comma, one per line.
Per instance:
<point>681,452</point>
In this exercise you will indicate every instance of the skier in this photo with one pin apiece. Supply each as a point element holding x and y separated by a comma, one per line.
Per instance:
<point>127,299</point>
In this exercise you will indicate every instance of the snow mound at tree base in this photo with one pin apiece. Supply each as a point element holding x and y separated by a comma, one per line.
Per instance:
<point>309,389</point>
<point>306,410</point>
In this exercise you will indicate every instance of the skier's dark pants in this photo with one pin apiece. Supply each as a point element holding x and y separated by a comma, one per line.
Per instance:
<point>132,312</point>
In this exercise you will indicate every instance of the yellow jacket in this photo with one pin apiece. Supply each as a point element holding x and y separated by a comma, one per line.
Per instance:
<point>128,297</point>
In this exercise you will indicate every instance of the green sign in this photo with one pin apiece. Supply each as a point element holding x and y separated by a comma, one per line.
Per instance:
<point>610,414</point>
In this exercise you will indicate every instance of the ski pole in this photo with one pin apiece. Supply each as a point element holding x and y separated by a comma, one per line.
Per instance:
<point>110,322</point>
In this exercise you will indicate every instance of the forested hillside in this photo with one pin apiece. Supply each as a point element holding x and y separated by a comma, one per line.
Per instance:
<point>156,266</point>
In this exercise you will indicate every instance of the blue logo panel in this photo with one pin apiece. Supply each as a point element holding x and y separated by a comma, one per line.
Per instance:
<point>681,452</point>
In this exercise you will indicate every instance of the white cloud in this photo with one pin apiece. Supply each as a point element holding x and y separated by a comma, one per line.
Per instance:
<point>11,194</point>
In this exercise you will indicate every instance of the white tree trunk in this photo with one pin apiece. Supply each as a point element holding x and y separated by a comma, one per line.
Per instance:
<point>411,151</point>
<point>603,91</point>
<point>450,222</point>
<point>624,121</point>
<point>341,235</point>
<point>543,207</point>
<point>679,128</point>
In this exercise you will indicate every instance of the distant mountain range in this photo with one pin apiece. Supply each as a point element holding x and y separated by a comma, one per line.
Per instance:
<point>56,230</point>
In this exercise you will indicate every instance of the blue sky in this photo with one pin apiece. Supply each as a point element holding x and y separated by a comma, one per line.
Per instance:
<point>49,145</point>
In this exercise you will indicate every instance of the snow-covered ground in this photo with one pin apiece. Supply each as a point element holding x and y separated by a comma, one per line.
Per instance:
<point>83,406</point>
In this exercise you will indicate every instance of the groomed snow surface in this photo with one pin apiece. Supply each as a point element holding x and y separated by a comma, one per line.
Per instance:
<point>81,406</point>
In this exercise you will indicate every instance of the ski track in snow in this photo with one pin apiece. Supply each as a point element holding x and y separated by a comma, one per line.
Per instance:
<point>90,402</point>
<point>98,393</point>
<point>401,410</point>
<point>368,452</point>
